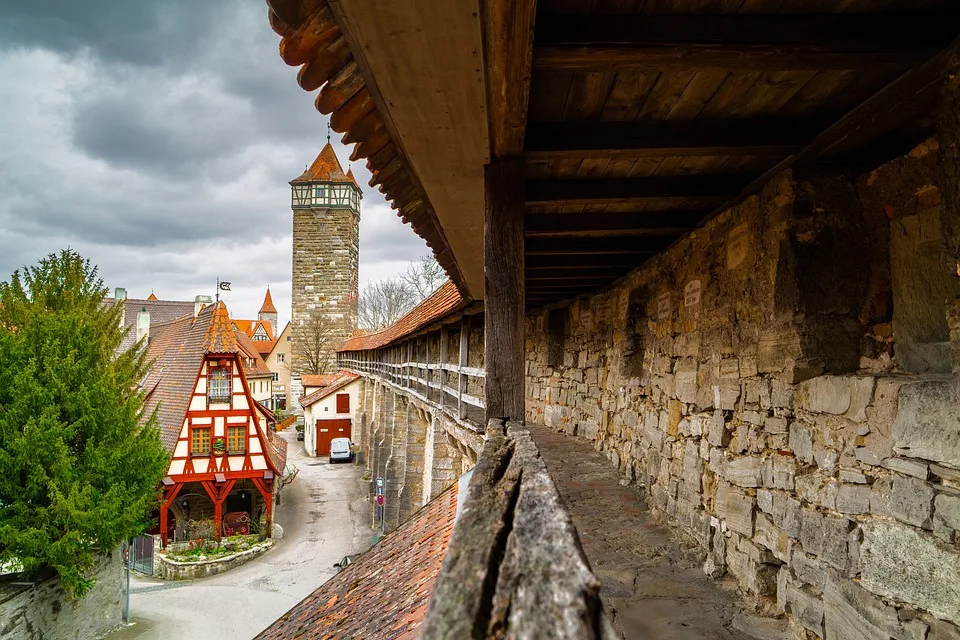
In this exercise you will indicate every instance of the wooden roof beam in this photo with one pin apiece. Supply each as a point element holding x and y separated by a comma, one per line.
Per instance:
<point>706,189</point>
<point>775,42</point>
<point>741,137</point>
<point>595,246</point>
<point>545,225</point>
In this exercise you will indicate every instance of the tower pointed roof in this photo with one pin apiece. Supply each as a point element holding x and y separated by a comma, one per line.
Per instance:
<point>351,177</point>
<point>152,297</point>
<point>326,168</point>
<point>219,337</point>
<point>268,303</point>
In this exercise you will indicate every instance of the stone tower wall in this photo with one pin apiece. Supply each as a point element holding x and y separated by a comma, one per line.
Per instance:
<point>326,247</point>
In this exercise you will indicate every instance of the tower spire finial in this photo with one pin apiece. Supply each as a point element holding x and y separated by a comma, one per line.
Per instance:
<point>328,132</point>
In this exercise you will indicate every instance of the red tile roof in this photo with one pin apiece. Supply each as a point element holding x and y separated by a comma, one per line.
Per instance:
<point>267,306</point>
<point>248,349</point>
<point>318,380</point>
<point>343,379</point>
<point>443,301</point>
<point>220,337</point>
<point>385,592</point>
<point>152,297</point>
<point>326,168</point>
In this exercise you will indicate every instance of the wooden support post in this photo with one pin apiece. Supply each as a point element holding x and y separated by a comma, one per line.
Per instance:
<point>504,297</point>
<point>463,362</point>
<point>168,499</point>
<point>441,372</point>
<point>429,372</point>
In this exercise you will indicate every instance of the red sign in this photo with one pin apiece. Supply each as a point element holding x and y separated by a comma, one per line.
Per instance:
<point>380,501</point>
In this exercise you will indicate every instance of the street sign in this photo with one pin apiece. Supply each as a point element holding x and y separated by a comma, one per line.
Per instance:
<point>380,500</point>
<point>379,483</point>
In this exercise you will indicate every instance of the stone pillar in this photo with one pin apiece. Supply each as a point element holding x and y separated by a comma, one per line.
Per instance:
<point>417,427</point>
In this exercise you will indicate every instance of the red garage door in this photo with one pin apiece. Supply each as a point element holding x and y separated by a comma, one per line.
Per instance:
<point>327,430</point>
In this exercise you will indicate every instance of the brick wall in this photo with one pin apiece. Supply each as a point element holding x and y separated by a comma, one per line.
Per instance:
<point>754,381</point>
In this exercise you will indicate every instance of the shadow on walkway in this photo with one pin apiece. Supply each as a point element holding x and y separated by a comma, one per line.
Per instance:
<point>651,586</point>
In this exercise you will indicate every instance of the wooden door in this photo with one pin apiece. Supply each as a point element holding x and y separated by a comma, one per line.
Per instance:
<point>329,429</point>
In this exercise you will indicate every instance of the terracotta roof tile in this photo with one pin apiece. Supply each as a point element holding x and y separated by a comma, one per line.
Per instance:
<point>385,592</point>
<point>319,379</point>
<point>343,379</point>
<point>267,306</point>
<point>161,311</point>
<point>326,168</point>
<point>248,348</point>
<point>152,297</point>
<point>444,300</point>
<point>220,337</point>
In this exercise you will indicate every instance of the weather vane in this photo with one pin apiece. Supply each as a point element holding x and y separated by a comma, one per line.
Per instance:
<point>221,286</point>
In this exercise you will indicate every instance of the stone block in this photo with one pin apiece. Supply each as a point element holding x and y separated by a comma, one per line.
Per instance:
<point>926,425</point>
<point>852,613</point>
<point>717,433</point>
<point>882,413</point>
<point>861,394</point>
<point>806,609</point>
<point>735,508</point>
<point>817,488</point>
<point>852,475</point>
<point>947,510</point>
<point>779,472</point>
<point>743,471</point>
<point>853,498</point>
<point>911,500</point>
<point>906,564</point>
<point>825,394</point>
<point>801,441</point>
<point>836,540</point>
<point>812,531</point>
<point>809,569</point>
<point>755,577</point>
<point>771,537</point>
<point>940,630</point>
<point>908,467</point>
<point>775,424</point>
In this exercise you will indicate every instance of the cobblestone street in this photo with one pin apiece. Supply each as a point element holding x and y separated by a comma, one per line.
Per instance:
<point>324,515</point>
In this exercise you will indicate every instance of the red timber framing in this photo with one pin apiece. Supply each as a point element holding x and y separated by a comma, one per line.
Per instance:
<point>219,463</point>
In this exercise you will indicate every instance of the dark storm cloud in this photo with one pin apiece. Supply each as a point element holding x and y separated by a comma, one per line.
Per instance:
<point>157,138</point>
<point>144,32</point>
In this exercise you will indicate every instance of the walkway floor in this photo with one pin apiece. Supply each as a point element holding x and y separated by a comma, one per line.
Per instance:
<point>651,587</point>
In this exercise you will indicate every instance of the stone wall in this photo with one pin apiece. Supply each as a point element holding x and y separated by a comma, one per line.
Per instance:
<point>417,450</point>
<point>754,381</point>
<point>326,245</point>
<point>43,611</point>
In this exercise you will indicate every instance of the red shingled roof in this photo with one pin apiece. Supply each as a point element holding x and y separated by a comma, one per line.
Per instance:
<point>444,300</point>
<point>318,380</point>
<point>249,349</point>
<point>220,336</point>
<point>326,168</point>
<point>385,592</point>
<point>268,303</point>
<point>343,379</point>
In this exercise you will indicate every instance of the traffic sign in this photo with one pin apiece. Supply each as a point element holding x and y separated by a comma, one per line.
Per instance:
<point>380,500</point>
<point>379,482</point>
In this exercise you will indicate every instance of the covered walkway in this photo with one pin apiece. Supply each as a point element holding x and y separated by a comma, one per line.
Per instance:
<point>651,586</point>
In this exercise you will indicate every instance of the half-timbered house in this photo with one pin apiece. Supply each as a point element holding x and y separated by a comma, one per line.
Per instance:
<point>225,462</point>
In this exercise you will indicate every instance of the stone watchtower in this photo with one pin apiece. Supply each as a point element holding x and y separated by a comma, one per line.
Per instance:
<point>268,313</point>
<point>326,247</point>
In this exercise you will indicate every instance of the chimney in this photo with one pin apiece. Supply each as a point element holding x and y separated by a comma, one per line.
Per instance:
<point>199,303</point>
<point>143,326</point>
<point>119,294</point>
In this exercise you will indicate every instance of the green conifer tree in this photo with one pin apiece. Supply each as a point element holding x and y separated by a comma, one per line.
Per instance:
<point>78,472</point>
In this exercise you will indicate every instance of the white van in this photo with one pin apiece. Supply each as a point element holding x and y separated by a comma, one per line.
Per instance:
<point>341,449</point>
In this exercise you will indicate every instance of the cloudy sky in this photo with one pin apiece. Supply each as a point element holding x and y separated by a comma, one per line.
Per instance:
<point>157,137</point>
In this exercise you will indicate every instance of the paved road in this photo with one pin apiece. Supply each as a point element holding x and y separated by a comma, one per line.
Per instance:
<point>324,516</point>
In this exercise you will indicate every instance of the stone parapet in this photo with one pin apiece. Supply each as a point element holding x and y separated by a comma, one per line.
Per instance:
<point>168,569</point>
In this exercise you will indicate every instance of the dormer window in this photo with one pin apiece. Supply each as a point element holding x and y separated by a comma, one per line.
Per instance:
<point>219,382</point>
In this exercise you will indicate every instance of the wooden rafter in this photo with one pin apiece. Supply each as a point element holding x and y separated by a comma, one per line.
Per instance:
<point>706,188</point>
<point>823,41</point>
<point>758,136</point>
<point>596,246</point>
<point>612,224</point>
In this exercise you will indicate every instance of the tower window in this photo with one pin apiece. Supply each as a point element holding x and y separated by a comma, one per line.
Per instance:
<point>319,192</point>
<point>281,357</point>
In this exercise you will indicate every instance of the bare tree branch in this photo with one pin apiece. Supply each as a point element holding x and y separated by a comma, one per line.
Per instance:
<point>384,302</point>
<point>424,276</point>
<point>318,340</point>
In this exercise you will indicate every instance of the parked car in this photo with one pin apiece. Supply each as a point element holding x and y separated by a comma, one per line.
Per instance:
<point>341,449</point>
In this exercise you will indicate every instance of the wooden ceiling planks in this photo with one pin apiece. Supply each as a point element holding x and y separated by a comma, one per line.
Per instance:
<point>312,39</point>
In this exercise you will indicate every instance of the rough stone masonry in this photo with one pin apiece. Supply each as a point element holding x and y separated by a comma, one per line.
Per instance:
<point>779,383</point>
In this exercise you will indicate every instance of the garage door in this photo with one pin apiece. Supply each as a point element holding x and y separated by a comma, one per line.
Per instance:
<point>327,430</point>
